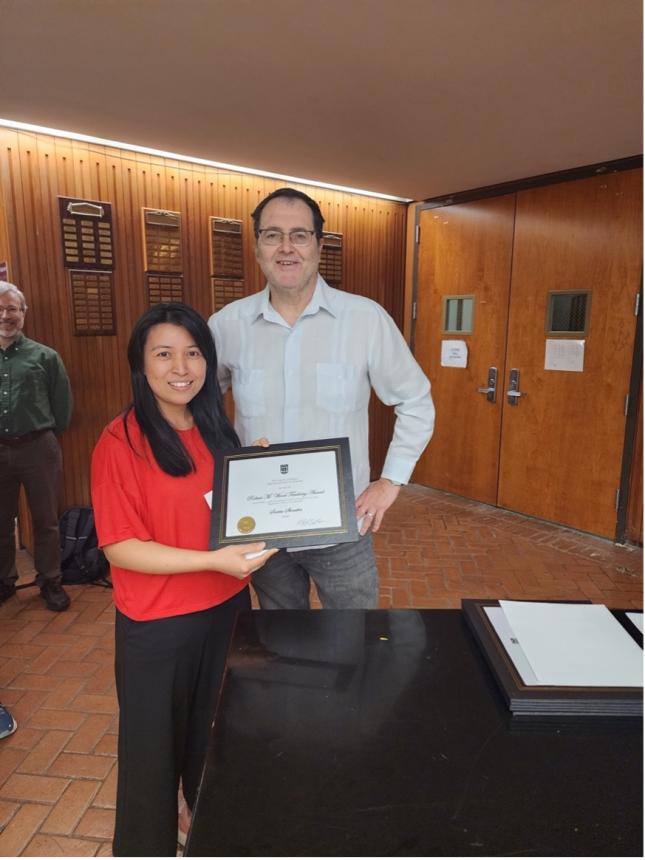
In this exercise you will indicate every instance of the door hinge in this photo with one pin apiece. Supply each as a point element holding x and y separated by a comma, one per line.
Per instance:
<point>414,310</point>
<point>637,304</point>
<point>626,404</point>
<point>617,498</point>
<point>417,233</point>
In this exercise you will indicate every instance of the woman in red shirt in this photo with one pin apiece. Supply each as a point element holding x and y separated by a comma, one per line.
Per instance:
<point>176,600</point>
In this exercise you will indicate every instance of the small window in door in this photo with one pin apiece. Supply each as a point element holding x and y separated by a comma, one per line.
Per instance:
<point>568,312</point>
<point>458,312</point>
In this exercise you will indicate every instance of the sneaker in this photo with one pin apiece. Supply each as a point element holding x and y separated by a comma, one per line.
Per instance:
<point>7,723</point>
<point>55,596</point>
<point>7,590</point>
<point>183,824</point>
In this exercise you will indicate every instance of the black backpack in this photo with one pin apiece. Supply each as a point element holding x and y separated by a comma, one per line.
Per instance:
<point>81,560</point>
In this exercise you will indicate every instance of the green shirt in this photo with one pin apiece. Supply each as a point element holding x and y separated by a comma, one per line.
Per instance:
<point>35,393</point>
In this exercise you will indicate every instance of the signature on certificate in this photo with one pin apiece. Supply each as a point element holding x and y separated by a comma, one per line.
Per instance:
<point>309,522</point>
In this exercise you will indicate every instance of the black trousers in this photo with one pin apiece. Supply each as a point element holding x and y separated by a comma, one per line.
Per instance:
<point>37,465</point>
<point>168,674</point>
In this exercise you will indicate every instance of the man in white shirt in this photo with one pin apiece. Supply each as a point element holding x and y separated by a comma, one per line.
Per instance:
<point>302,359</point>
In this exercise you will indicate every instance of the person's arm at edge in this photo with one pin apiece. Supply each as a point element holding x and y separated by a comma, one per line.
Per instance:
<point>156,558</point>
<point>416,409</point>
<point>59,393</point>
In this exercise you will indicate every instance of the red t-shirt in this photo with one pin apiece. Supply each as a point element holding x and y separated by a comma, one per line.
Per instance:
<point>134,498</point>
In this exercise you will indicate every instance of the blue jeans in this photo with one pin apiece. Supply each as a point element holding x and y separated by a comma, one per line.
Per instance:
<point>345,576</point>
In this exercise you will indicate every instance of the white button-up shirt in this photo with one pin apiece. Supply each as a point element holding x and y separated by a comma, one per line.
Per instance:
<point>312,380</point>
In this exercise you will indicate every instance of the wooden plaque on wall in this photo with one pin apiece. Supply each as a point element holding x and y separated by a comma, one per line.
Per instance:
<point>162,241</point>
<point>86,229</point>
<point>165,288</point>
<point>227,261</point>
<point>92,297</point>
<point>331,259</point>
<point>225,290</point>
<point>227,257</point>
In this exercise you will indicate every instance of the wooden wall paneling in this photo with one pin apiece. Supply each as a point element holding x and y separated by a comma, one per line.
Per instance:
<point>5,245</point>
<point>7,235</point>
<point>410,245</point>
<point>79,357</point>
<point>347,225</point>
<point>24,262</point>
<point>7,253</point>
<point>195,273</point>
<point>201,231</point>
<point>127,279</point>
<point>254,280</point>
<point>634,523</point>
<point>54,301</point>
<point>86,349</point>
<point>382,261</point>
<point>211,204</point>
<point>200,236</point>
<point>135,194</point>
<point>226,203</point>
<point>372,277</point>
<point>36,169</point>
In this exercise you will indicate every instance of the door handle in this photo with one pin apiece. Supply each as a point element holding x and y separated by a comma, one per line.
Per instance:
<point>491,385</point>
<point>513,394</point>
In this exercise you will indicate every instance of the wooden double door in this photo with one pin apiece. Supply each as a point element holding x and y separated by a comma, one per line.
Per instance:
<point>554,448</point>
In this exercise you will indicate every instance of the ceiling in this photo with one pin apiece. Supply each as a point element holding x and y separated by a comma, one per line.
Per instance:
<point>415,98</point>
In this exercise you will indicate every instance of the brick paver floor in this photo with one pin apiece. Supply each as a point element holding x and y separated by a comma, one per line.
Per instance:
<point>57,772</point>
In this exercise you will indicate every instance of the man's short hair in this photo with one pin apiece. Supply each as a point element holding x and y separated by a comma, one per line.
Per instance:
<point>290,194</point>
<point>6,287</point>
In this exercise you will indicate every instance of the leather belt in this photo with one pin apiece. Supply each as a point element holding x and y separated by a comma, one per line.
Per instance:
<point>13,441</point>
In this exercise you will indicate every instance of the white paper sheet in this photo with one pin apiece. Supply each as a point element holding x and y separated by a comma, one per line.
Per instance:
<point>637,619</point>
<point>512,645</point>
<point>564,354</point>
<point>454,353</point>
<point>580,645</point>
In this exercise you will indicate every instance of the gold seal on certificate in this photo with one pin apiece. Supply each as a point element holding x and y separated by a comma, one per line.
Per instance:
<point>287,495</point>
<point>246,525</point>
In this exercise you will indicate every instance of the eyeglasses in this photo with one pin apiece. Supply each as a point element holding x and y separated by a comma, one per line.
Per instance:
<point>269,236</point>
<point>10,311</point>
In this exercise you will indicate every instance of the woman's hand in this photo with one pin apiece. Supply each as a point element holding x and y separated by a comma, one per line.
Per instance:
<point>234,561</point>
<point>156,558</point>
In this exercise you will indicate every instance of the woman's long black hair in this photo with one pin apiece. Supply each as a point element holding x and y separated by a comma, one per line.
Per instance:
<point>207,406</point>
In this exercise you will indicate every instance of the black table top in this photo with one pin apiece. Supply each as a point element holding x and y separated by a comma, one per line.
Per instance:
<point>378,733</point>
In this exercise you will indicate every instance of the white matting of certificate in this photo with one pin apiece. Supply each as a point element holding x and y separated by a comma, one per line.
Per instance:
<point>282,493</point>
<point>577,645</point>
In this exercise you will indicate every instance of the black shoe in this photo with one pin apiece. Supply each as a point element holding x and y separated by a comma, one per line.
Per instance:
<point>7,590</point>
<point>55,596</point>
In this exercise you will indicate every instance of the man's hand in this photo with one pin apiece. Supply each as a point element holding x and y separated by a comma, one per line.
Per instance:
<point>374,502</point>
<point>262,442</point>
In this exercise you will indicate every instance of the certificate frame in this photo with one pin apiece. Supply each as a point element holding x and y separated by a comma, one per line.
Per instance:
<point>345,531</point>
<point>548,700</point>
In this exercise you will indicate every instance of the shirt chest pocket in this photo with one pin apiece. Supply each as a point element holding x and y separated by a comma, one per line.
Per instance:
<point>33,382</point>
<point>248,391</point>
<point>339,387</point>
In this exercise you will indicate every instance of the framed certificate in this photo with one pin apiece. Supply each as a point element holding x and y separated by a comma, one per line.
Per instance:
<point>295,494</point>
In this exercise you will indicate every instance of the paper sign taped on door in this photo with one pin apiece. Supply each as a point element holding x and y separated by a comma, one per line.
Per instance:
<point>564,355</point>
<point>454,353</point>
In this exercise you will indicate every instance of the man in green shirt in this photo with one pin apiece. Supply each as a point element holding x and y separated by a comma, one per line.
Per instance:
<point>35,405</point>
